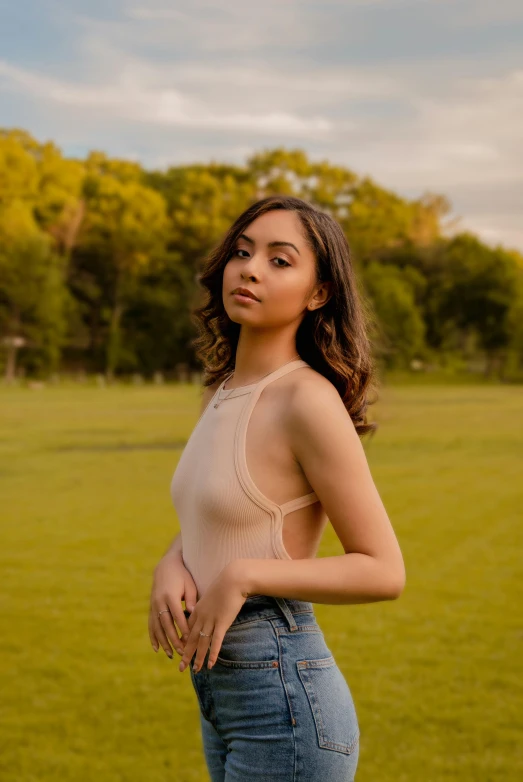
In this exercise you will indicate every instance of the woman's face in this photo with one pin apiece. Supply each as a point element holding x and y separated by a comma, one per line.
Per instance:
<point>281,276</point>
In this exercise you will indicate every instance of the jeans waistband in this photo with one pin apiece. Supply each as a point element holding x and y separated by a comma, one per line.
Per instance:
<point>263,606</point>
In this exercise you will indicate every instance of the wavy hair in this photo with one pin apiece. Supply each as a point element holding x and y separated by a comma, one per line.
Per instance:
<point>333,339</point>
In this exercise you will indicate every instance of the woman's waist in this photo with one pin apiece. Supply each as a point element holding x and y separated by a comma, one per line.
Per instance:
<point>265,606</point>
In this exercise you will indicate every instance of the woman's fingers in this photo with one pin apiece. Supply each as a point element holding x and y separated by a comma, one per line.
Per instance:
<point>152,637</point>
<point>190,593</point>
<point>160,633</point>
<point>212,645</point>
<point>168,619</point>
<point>181,620</point>
<point>190,644</point>
<point>195,643</point>
<point>157,636</point>
<point>216,644</point>
<point>201,651</point>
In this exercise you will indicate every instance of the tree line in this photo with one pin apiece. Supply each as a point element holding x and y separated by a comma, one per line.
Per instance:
<point>99,261</point>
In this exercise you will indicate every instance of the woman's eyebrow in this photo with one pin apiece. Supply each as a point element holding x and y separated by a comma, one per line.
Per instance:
<point>270,244</point>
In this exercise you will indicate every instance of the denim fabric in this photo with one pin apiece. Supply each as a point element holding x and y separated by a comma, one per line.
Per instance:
<point>275,706</point>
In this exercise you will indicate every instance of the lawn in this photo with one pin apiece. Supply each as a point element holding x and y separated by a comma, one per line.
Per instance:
<point>437,676</point>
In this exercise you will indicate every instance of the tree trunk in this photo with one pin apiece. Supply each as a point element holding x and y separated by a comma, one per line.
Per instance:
<point>12,344</point>
<point>502,367</point>
<point>10,367</point>
<point>113,342</point>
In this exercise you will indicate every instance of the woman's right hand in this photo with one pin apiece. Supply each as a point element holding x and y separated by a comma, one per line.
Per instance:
<point>172,583</point>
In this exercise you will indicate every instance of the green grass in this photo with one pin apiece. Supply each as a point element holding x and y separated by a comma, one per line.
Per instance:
<point>436,676</point>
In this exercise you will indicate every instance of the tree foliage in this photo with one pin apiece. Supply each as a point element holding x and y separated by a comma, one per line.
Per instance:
<point>99,259</point>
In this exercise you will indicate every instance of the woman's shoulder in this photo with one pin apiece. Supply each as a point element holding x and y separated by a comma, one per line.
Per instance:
<point>309,393</point>
<point>315,412</point>
<point>305,380</point>
<point>305,389</point>
<point>302,379</point>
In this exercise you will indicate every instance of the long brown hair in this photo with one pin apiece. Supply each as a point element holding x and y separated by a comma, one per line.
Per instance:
<point>333,339</point>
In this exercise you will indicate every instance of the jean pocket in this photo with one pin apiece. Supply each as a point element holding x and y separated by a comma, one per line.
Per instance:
<point>250,645</point>
<point>331,703</point>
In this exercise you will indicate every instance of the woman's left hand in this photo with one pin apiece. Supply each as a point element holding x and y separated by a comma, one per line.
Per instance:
<point>213,614</point>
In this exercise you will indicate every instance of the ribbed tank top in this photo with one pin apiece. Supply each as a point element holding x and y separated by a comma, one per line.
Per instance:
<point>222,513</point>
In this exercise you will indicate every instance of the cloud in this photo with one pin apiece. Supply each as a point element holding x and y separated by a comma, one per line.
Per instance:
<point>161,14</point>
<point>470,132</point>
<point>221,26</point>
<point>420,95</point>
<point>496,229</point>
<point>131,97</point>
<point>475,13</point>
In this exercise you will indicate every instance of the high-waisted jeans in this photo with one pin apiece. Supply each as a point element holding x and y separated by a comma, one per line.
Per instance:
<point>275,706</point>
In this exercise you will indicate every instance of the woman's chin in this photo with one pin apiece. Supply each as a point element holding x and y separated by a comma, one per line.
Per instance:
<point>237,317</point>
<point>239,314</point>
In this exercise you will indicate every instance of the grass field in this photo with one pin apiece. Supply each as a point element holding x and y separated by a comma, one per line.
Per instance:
<point>437,676</point>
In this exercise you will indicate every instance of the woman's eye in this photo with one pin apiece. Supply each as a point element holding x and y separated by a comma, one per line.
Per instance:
<point>284,261</point>
<point>239,250</point>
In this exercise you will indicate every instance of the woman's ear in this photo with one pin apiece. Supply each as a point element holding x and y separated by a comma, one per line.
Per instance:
<point>322,296</point>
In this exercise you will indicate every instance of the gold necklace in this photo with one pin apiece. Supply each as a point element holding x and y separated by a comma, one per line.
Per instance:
<point>257,381</point>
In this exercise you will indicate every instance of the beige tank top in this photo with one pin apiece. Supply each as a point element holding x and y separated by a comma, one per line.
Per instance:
<point>222,513</point>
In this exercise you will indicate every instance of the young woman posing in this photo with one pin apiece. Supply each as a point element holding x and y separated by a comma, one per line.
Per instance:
<point>274,455</point>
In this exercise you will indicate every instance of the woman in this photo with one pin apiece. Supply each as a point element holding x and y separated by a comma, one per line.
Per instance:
<point>274,455</point>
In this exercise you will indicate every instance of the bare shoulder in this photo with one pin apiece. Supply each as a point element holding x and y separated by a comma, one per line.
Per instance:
<point>315,408</point>
<point>310,386</point>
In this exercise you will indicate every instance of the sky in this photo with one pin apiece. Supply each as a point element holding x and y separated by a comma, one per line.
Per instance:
<point>421,95</point>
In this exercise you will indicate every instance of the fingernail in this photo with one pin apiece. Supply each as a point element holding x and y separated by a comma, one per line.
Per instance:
<point>210,664</point>
<point>170,656</point>
<point>180,651</point>
<point>181,667</point>
<point>185,637</point>
<point>190,608</point>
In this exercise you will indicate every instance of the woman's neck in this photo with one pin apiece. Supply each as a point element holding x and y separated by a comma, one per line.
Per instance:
<point>250,371</point>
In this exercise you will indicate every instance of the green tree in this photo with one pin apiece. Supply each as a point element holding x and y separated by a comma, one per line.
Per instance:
<point>472,289</point>
<point>515,317</point>
<point>34,300</point>
<point>18,168</point>
<point>60,207</point>
<point>375,220</point>
<point>202,202</point>
<point>399,327</point>
<point>125,226</point>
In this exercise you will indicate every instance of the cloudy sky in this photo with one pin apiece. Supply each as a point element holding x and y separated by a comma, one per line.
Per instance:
<point>419,94</point>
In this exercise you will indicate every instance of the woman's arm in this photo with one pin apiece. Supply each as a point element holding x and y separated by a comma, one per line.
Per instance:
<point>175,549</point>
<point>329,451</point>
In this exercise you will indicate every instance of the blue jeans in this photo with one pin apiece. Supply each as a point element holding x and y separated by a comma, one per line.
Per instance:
<point>275,705</point>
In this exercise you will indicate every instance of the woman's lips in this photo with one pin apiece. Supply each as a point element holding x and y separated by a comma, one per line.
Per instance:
<point>241,297</point>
